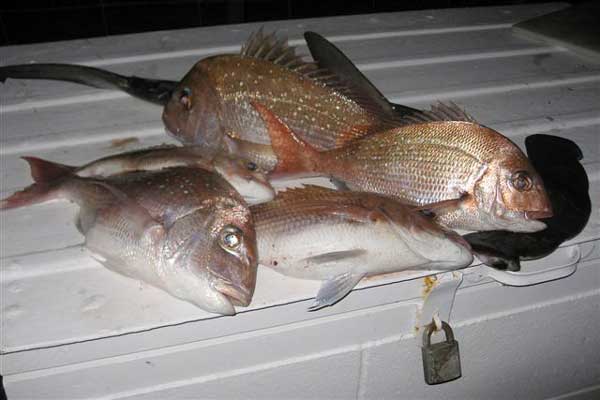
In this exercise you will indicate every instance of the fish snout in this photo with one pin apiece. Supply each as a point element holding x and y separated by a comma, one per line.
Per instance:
<point>235,276</point>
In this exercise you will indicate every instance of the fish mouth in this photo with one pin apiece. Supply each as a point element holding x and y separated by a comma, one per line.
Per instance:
<point>238,296</point>
<point>538,214</point>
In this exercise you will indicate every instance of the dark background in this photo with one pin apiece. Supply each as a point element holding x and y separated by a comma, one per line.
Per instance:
<point>51,20</point>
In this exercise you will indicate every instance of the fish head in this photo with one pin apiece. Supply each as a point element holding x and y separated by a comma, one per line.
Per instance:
<point>246,177</point>
<point>513,193</point>
<point>444,248</point>
<point>213,256</point>
<point>233,259</point>
<point>193,113</point>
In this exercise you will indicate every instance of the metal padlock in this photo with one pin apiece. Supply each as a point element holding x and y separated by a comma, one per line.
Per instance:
<point>441,361</point>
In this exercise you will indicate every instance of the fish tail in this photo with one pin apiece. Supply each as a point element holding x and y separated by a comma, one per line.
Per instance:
<point>152,90</point>
<point>294,155</point>
<point>48,177</point>
<point>85,75</point>
<point>32,194</point>
<point>43,171</point>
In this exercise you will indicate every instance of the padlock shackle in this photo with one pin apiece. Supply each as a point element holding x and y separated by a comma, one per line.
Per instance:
<point>430,329</point>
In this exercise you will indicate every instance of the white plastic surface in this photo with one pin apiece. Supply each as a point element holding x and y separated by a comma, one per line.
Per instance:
<point>72,329</point>
<point>558,265</point>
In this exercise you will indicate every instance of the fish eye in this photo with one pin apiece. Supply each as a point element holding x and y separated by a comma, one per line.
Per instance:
<point>521,181</point>
<point>230,238</point>
<point>184,97</point>
<point>251,166</point>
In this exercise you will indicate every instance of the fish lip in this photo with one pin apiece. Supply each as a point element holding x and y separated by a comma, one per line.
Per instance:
<point>238,296</point>
<point>538,214</point>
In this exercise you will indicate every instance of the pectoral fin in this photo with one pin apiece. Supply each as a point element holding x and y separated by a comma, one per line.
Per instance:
<point>444,206</point>
<point>294,155</point>
<point>335,289</point>
<point>335,256</point>
<point>339,185</point>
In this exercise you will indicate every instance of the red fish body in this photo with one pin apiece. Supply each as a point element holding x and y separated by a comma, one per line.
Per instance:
<point>214,99</point>
<point>184,230</point>
<point>470,176</point>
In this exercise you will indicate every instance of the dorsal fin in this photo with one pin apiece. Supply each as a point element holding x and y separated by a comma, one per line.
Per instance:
<point>267,47</point>
<point>440,111</point>
<point>312,192</point>
<point>328,56</point>
<point>321,194</point>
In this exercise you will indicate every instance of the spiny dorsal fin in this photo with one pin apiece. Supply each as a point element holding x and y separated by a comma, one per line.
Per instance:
<point>320,194</point>
<point>440,111</point>
<point>306,192</point>
<point>267,47</point>
<point>353,207</point>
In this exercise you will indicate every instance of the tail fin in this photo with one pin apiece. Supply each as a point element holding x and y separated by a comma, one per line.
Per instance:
<point>152,90</point>
<point>48,177</point>
<point>32,194</point>
<point>294,155</point>
<point>46,171</point>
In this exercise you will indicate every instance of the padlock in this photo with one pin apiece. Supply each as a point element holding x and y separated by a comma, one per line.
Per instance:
<point>441,361</point>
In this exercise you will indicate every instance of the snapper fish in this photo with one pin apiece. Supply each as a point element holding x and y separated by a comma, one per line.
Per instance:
<point>558,162</point>
<point>341,237</point>
<point>441,161</point>
<point>212,103</point>
<point>183,230</point>
<point>243,175</point>
<point>214,98</point>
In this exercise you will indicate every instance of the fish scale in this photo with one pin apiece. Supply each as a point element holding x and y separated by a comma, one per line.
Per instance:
<point>315,111</point>
<point>397,169</point>
<point>429,163</point>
